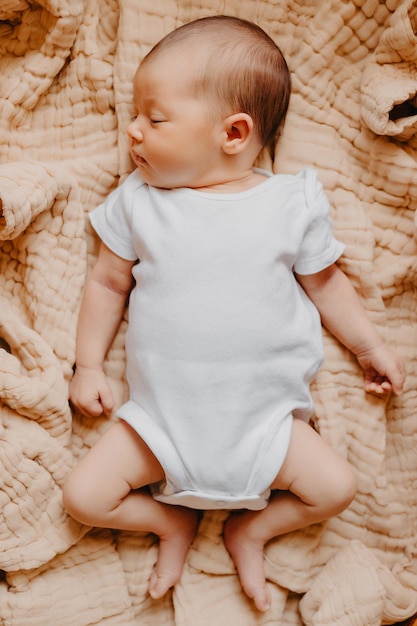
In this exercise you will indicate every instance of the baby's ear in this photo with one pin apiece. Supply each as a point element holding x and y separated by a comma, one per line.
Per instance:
<point>238,131</point>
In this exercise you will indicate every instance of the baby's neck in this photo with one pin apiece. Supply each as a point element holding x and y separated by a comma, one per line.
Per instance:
<point>246,181</point>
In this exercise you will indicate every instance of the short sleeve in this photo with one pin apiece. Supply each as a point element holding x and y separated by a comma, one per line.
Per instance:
<point>112,220</point>
<point>319,248</point>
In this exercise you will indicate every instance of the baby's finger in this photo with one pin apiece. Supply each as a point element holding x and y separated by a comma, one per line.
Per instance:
<point>107,401</point>
<point>397,380</point>
<point>94,409</point>
<point>379,388</point>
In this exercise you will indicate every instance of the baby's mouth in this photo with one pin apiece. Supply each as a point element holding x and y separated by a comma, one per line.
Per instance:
<point>138,159</point>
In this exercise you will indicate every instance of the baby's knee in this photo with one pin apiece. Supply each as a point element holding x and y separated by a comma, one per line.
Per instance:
<point>345,489</point>
<point>76,499</point>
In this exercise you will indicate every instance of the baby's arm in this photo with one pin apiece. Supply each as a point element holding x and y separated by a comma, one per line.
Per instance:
<point>343,315</point>
<point>101,312</point>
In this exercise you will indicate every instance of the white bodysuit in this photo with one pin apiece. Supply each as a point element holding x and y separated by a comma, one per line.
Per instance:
<point>222,342</point>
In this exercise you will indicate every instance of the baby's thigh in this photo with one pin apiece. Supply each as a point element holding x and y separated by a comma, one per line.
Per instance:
<point>120,461</point>
<point>313,470</point>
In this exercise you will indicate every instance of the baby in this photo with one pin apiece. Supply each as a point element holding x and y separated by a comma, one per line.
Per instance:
<point>230,271</point>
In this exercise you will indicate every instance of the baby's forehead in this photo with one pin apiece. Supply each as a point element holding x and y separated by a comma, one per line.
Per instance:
<point>166,76</point>
<point>192,53</point>
<point>167,68</point>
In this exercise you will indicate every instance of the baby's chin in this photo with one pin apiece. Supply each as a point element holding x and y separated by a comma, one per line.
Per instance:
<point>168,180</point>
<point>159,182</point>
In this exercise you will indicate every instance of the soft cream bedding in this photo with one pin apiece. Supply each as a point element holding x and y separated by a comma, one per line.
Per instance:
<point>65,87</point>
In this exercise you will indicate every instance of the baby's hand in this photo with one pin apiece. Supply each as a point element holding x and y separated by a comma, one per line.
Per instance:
<point>90,392</point>
<point>384,370</point>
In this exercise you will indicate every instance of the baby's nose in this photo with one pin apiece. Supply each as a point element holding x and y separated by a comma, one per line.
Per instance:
<point>133,130</point>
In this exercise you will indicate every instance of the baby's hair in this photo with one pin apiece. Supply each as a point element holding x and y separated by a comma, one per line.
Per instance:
<point>242,68</point>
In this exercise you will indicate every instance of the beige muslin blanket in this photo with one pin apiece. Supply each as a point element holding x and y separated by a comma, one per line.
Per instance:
<point>66,68</point>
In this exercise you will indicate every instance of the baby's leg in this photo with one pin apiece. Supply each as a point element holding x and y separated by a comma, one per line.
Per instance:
<point>104,490</point>
<point>314,483</point>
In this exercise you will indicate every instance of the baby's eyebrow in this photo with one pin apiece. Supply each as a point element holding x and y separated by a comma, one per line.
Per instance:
<point>151,101</point>
<point>150,104</point>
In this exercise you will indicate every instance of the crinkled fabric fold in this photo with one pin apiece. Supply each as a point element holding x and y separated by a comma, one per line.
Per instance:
<point>65,101</point>
<point>43,262</point>
<point>389,84</point>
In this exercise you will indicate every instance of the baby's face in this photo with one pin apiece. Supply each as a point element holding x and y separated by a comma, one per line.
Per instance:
<point>175,136</point>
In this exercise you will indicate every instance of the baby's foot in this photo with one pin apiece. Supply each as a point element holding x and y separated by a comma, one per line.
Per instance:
<point>173,548</point>
<point>247,553</point>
